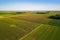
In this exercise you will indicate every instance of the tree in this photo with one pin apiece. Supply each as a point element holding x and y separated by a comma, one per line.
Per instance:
<point>57,16</point>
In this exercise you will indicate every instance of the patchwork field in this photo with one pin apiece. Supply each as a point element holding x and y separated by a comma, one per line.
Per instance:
<point>29,26</point>
<point>43,32</point>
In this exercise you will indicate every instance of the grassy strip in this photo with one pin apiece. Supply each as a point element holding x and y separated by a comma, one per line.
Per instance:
<point>31,32</point>
<point>46,33</point>
<point>54,33</point>
<point>45,37</point>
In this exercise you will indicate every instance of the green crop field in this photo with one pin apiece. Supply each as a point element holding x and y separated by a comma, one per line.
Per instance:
<point>29,26</point>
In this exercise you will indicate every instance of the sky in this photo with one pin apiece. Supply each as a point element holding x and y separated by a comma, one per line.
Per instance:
<point>29,5</point>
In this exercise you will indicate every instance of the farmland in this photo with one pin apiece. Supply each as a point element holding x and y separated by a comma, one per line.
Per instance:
<point>29,26</point>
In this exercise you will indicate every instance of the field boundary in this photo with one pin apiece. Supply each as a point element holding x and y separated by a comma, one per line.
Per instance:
<point>30,32</point>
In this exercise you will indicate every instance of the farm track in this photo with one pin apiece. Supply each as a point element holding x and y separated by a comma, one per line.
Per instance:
<point>42,33</point>
<point>22,28</point>
<point>31,32</point>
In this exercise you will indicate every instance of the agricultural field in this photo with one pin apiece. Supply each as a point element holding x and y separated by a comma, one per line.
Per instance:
<point>30,25</point>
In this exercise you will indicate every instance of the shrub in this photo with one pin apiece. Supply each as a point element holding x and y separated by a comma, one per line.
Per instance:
<point>42,12</point>
<point>57,16</point>
<point>19,12</point>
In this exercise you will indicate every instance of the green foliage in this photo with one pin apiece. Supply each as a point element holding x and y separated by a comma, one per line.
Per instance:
<point>42,12</point>
<point>57,16</point>
<point>19,12</point>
